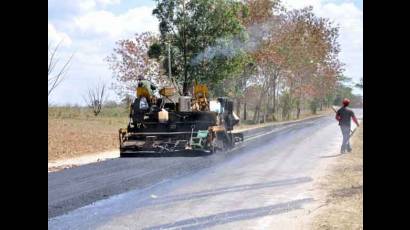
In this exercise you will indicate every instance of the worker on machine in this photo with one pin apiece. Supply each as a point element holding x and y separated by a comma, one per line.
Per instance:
<point>142,82</point>
<point>343,115</point>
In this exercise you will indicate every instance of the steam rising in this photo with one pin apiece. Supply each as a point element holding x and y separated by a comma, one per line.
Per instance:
<point>226,47</point>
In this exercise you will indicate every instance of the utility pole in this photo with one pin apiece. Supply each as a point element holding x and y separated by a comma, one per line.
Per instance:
<point>184,47</point>
<point>169,61</point>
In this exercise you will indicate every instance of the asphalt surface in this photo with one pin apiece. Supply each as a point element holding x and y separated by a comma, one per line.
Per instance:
<point>264,177</point>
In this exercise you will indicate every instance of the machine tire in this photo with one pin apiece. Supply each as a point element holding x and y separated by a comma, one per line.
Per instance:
<point>123,154</point>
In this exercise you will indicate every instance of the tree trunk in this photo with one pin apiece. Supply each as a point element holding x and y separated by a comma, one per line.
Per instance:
<point>274,102</point>
<point>255,113</point>
<point>244,111</point>
<point>298,109</point>
<point>273,99</point>
<point>258,116</point>
<point>238,107</point>
<point>258,107</point>
<point>264,116</point>
<point>321,105</point>
<point>266,107</point>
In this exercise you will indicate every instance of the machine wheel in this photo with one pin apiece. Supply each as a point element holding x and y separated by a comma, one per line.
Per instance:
<point>124,153</point>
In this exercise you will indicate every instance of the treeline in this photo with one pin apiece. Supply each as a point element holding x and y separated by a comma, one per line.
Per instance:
<point>275,63</point>
<point>110,109</point>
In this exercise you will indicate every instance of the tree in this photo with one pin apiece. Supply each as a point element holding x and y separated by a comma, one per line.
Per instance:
<point>56,74</point>
<point>202,36</point>
<point>262,26</point>
<point>126,101</point>
<point>241,85</point>
<point>130,59</point>
<point>259,11</point>
<point>254,51</point>
<point>360,84</point>
<point>342,91</point>
<point>95,98</point>
<point>309,44</point>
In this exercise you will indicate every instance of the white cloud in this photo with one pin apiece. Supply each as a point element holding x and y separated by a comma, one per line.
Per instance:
<point>55,36</point>
<point>297,4</point>
<point>106,23</point>
<point>108,2</point>
<point>87,5</point>
<point>61,8</point>
<point>95,33</point>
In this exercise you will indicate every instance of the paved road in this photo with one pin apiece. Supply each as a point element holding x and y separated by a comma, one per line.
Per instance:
<point>267,177</point>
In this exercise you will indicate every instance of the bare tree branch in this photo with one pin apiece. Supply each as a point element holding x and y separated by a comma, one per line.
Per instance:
<point>52,61</point>
<point>96,97</point>
<point>56,77</point>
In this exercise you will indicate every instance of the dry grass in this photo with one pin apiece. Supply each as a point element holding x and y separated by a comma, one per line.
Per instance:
<point>344,189</point>
<point>72,132</point>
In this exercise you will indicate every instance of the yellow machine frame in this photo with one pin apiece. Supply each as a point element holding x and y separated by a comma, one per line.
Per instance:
<point>201,97</point>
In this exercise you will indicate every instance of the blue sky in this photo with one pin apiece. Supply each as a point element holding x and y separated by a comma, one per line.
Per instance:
<point>89,29</point>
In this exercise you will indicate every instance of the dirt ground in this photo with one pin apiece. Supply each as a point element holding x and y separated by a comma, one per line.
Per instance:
<point>343,189</point>
<point>69,138</point>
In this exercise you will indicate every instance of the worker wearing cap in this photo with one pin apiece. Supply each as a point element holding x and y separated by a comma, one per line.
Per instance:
<point>344,115</point>
<point>146,84</point>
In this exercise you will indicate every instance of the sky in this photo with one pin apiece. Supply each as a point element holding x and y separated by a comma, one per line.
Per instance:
<point>89,29</point>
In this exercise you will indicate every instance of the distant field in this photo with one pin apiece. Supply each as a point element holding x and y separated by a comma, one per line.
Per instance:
<point>75,131</point>
<point>86,113</point>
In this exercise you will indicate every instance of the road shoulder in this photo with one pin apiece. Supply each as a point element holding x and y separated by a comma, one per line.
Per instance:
<point>58,165</point>
<point>340,190</point>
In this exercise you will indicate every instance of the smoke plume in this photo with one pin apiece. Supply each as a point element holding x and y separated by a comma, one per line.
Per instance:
<point>230,47</point>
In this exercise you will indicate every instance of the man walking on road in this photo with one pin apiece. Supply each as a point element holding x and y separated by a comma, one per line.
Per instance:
<point>343,115</point>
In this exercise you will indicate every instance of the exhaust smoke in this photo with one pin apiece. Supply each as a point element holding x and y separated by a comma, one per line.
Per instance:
<point>248,42</point>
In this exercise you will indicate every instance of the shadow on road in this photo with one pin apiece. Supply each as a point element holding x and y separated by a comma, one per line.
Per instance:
<point>219,191</point>
<point>232,216</point>
<point>337,155</point>
<point>191,153</point>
